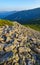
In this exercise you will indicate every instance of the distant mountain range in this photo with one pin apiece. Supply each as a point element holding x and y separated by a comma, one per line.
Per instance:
<point>26,16</point>
<point>4,14</point>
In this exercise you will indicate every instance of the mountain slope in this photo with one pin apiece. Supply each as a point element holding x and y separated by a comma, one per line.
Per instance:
<point>6,22</point>
<point>4,14</point>
<point>33,26</point>
<point>25,16</point>
<point>19,45</point>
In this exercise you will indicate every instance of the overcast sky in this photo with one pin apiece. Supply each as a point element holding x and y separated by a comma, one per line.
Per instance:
<point>9,5</point>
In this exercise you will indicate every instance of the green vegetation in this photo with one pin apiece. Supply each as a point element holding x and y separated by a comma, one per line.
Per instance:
<point>10,23</point>
<point>5,22</point>
<point>33,26</point>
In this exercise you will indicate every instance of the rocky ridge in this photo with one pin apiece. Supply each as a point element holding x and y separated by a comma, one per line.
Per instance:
<point>19,45</point>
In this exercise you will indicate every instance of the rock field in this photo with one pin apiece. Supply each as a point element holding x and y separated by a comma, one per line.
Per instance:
<point>19,45</point>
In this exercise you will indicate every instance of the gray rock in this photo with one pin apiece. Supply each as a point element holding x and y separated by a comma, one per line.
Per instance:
<point>6,57</point>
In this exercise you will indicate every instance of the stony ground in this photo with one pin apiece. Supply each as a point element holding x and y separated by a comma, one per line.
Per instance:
<point>19,45</point>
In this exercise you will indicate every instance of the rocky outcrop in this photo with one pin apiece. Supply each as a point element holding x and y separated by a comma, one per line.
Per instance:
<point>19,45</point>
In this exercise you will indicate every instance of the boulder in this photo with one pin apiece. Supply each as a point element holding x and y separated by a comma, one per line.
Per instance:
<point>8,47</point>
<point>8,56</point>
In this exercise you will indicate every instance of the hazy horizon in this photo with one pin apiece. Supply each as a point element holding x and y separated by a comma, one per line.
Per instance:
<point>17,5</point>
<point>18,10</point>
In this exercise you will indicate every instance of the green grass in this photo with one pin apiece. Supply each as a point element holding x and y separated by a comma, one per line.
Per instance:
<point>10,23</point>
<point>33,26</point>
<point>5,22</point>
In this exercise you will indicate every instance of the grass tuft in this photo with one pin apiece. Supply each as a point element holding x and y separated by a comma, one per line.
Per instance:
<point>6,22</point>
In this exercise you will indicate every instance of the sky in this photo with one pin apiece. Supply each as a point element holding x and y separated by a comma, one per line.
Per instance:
<point>12,5</point>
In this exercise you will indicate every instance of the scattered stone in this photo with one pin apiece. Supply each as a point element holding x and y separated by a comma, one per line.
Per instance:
<point>19,45</point>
